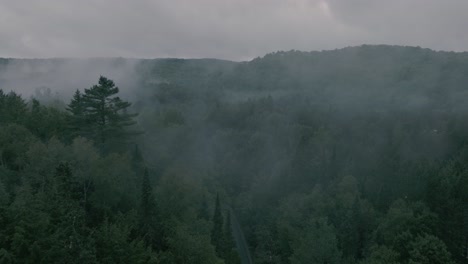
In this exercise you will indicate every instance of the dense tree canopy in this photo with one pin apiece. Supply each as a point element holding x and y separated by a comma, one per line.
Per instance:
<point>349,156</point>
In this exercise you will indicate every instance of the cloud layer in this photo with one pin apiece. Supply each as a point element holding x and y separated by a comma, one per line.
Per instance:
<point>229,29</point>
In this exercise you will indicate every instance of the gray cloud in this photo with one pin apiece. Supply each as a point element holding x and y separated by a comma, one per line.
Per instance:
<point>231,29</point>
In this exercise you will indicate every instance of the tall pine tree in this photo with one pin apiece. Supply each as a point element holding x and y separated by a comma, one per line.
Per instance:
<point>150,227</point>
<point>217,233</point>
<point>230,254</point>
<point>100,114</point>
<point>147,206</point>
<point>229,239</point>
<point>203,211</point>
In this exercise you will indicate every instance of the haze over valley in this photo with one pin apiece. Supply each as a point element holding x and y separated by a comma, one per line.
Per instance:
<point>234,132</point>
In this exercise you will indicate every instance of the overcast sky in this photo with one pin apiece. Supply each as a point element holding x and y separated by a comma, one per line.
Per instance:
<point>228,29</point>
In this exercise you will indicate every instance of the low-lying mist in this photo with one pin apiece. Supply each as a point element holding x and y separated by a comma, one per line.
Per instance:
<point>62,77</point>
<point>362,148</point>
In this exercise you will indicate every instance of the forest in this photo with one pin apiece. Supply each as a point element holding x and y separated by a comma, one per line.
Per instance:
<point>356,155</point>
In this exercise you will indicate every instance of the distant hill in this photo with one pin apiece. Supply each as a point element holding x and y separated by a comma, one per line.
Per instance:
<point>375,76</point>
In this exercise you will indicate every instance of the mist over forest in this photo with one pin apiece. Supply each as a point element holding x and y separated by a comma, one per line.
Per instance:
<point>353,155</point>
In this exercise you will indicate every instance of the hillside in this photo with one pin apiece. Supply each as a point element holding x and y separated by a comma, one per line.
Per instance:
<point>356,155</point>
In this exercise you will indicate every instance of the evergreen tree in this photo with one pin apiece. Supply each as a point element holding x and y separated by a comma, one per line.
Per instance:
<point>150,228</point>
<point>36,121</point>
<point>147,199</point>
<point>229,239</point>
<point>138,164</point>
<point>203,212</point>
<point>106,113</point>
<point>77,119</point>
<point>13,108</point>
<point>217,236</point>
<point>44,121</point>
<point>147,202</point>
<point>68,186</point>
<point>230,254</point>
<point>137,158</point>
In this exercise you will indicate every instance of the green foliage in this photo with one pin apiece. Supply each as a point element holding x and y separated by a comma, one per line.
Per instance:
<point>4,196</point>
<point>113,245</point>
<point>46,122</point>
<point>403,223</point>
<point>5,257</point>
<point>447,195</point>
<point>189,246</point>
<point>149,221</point>
<point>349,156</point>
<point>318,244</point>
<point>230,253</point>
<point>14,143</point>
<point>229,239</point>
<point>382,255</point>
<point>429,249</point>
<point>203,212</point>
<point>77,120</point>
<point>53,196</point>
<point>13,108</point>
<point>100,114</point>
<point>217,233</point>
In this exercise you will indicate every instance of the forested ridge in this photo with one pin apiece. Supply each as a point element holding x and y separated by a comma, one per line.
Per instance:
<point>357,155</point>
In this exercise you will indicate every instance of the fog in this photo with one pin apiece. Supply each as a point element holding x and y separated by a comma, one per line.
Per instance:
<point>333,144</point>
<point>64,76</point>
<point>244,131</point>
